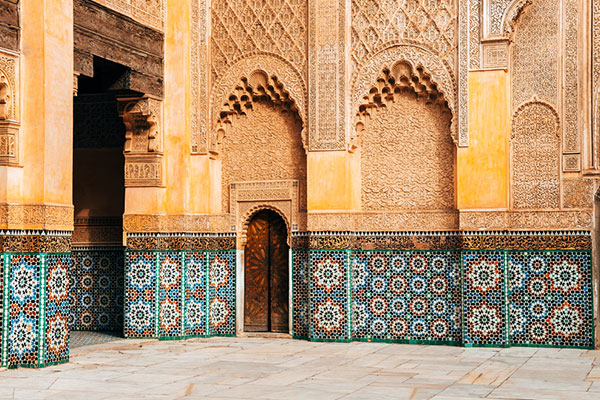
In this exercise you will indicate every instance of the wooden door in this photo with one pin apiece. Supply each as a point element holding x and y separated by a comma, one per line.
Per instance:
<point>266,303</point>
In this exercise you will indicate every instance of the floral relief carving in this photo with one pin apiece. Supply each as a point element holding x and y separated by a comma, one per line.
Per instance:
<point>9,127</point>
<point>263,145</point>
<point>535,59</point>
<point>406,151</point>
<point>535,156</point>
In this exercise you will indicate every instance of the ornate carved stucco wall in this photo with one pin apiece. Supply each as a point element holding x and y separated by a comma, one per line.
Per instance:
<point>264,145</point>
<point>407,157</point>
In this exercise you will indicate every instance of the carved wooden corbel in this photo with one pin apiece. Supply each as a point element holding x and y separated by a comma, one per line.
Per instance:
<point>143,141</point>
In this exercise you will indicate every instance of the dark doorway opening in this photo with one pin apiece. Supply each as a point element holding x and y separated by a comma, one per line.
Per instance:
<point>266,275</point>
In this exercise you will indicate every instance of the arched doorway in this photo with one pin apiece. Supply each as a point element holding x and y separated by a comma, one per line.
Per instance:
<point>266,293</point>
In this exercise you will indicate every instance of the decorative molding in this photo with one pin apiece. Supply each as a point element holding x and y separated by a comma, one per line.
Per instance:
<point>526,220</point>
<point>36,216</point>
<point>176,223</point>
<point>570,88</point>
<point>460,108</point>
<point>98,231</point>
<point>200,76</point>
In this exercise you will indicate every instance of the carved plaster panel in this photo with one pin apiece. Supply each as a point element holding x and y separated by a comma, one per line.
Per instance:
<point>535,54</point>
<point>474,10</point>
<point>535,157</point>
<point>176,223</point>
<point>265,144</point>
<point>595,45</point>
<point>244,27</point>
<point>578,193</point>
<point>147,12</point>
<point>327,74</point>
<point>273,67</point>
<point>9,110</point>
<point>407,156</point>
<point>376,23</point>
<point>570,87</point>
<point>383,221</point>
<point>495,54</point>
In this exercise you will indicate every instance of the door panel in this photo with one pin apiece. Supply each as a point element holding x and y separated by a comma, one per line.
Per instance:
<point>256,305</point>
<point>279,253</point>
<point>266,297</point>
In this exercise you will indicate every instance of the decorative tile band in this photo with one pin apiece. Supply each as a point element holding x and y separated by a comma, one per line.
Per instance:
<point>177,294</point>
<point>35,309</point>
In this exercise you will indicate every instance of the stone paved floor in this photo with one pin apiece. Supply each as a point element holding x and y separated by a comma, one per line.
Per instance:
<point>259,368</point>
<point>87,338</point>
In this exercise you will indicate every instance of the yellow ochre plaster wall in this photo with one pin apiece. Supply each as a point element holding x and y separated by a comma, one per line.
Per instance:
<point>333,181</point>
<point>483,167</point>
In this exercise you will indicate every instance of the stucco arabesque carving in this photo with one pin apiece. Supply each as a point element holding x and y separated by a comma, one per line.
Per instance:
<point>259,74</point>
<point>423,61</point>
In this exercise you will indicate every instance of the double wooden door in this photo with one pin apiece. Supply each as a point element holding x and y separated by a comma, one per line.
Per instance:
<point>266,290</point>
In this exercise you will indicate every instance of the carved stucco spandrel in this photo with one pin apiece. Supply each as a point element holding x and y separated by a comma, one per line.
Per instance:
<point>419,58</point>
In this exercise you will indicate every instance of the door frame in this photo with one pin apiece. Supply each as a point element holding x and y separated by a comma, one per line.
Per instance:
<point>240,291</point>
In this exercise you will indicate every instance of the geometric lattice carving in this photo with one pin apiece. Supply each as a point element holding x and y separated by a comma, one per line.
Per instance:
<point>401,78</point>
<point>535,153</point>
<point>378,23</point>
<point>243,27</point>
<point>257,87</point>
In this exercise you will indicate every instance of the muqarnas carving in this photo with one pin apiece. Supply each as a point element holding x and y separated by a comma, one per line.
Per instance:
<point>143,141</point>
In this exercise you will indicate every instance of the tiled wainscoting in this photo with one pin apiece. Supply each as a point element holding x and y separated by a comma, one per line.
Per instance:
<point>174,292</point>
<point>495,289</point>
<point>96,289</point>
<point>34,308</point>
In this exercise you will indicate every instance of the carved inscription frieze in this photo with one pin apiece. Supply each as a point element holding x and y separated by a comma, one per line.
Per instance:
<point>200,77</point>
